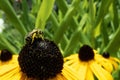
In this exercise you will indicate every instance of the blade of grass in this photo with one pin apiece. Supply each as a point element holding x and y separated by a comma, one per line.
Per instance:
<point>105,36</point>
<point>91,19</point>
<point>2,45</point>
<point>10,13</point>
<point>43,13</point>
<point>64,9</point>
<point>113,46</point>
<point>54,21</point>
<point>64,42</point>
<point>115,12</point>
<point>8,45</point>
<point>116,73</point>
<point>35,6</point>
<point>49,35</point>
<point>102,10</point>
<point>51,26</point>
<point>92,12</point>
<point>55,25</point>
<point>77,37</point>
<point>64,24</point>
<point>25,16</point>
<point>64,6</point>
<point>16,43</point>
<point>74,40</point>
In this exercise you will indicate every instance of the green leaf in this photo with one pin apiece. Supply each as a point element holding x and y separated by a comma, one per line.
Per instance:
<point>54,21</point>
<point>113,46</point>
<point>64,6</point>
<point>44,12</point>
<point>116,74</point>
<point>12,16</point>
<point>103,10</point>
<point>35,6</point>
<point>116,16</point>
<point>25,16</point>
<point>64,42</point>
<point>76,38</point>
<point>91,12</point>
<point>105,36</point>
<point>7,44</point>
<point>64,24</point>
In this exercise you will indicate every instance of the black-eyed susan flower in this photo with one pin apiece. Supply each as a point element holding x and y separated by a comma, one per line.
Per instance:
<point>9,70</point>
<point>87,65</point>
<point>113,60</point>
<point>39,59</point>
<point>106,61</point>
<point>103,62</point>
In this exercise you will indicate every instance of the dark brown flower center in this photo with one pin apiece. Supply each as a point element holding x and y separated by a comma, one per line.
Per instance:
<point>42,59</point>
<point>106,55</point>
<point>5,55</point>
<point>86,53</point>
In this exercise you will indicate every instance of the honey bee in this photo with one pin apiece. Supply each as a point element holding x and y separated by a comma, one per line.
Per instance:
<point>36,33</point>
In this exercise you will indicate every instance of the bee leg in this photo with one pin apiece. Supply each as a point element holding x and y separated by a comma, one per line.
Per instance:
<point>33,36</point>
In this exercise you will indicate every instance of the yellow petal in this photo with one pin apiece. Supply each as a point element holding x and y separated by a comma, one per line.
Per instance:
<point>82,71</point>
<point>11,73</point>
<point>75,66</point>
<point>115,65</point>
<point>71,57</point>
<point>10,69</point>
<point>107,65</point>
<point>69,62</point>
<point>7,68</point>
<point>89,74</point>
<point>99,72</point>
<point>16,76</point>
<point>115,59</point>
<point>104,62</point>
<point>69,73</point>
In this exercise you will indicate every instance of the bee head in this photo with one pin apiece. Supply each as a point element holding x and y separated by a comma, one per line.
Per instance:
<point>36,33</point>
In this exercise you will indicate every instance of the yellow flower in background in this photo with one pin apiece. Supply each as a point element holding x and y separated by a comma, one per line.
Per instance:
<point>106,61</point>
<point>103,62</point>
<point>88,65</point>
<point>113,60</point>
<point>10,70</point>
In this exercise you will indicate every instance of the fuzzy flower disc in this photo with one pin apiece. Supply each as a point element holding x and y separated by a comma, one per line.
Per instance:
<point>86,53</point>
<point>42,59</point>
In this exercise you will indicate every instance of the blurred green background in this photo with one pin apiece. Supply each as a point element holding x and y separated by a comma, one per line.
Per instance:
<point>69,23</point>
